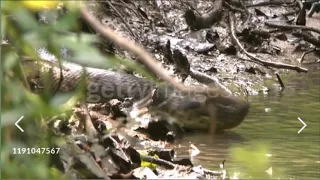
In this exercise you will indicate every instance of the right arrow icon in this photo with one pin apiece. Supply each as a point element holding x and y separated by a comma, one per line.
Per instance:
<point>304,125</point>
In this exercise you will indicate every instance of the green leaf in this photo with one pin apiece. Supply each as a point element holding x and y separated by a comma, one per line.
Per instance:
<point>3,25</point>
<point>26,20</point>
<point>8,118</point>
<point>33,39</point>
<point>10,61</point>
<point>68,21</point>
<point>60,99</point>
<point>82,51</point>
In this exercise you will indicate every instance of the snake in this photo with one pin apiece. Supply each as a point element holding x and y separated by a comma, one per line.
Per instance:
<point>194,110</point>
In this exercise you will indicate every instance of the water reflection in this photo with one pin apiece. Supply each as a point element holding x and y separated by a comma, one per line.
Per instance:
<point>273,121</point>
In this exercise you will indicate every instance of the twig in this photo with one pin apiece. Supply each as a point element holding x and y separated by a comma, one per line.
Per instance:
<point>123,20</point>
<point>280,81</point>
<point>203,78</point>
<point>292,27</point>
<point>252,56</point>
<point>88,126</point>
<point>233,8</point>
<point>126,6</point>
<point>304,54</point>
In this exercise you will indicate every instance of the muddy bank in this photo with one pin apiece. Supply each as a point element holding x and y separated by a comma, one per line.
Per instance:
<point>201,33</point>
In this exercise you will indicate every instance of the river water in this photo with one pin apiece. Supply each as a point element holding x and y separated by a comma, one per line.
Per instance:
<point>268,138</point>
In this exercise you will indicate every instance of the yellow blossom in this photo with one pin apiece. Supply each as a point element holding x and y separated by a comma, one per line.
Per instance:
<point>38,5</point>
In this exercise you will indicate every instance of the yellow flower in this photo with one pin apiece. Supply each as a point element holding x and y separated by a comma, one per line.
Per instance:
<point>38,5</point>
<point>149,164</point>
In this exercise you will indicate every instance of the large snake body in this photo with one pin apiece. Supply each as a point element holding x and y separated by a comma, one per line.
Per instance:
<point>217,112</point>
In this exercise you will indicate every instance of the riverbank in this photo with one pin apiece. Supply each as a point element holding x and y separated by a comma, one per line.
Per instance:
<point>162,29</point>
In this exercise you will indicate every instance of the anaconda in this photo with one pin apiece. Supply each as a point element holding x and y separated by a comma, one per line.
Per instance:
<point>216,112</point>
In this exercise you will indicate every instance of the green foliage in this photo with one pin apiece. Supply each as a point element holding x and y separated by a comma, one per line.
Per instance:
<point>25,34</point>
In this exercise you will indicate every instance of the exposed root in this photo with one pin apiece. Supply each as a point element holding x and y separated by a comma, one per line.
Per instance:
<point>196,22</point>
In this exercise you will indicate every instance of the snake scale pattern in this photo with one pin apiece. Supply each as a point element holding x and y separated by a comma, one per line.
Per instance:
<point>218,112</point>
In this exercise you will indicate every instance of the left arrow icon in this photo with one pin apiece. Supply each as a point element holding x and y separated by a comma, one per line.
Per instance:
<point>18,125</point>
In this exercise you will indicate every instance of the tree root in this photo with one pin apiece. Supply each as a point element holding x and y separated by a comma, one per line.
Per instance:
<point>196,22</point>
<point>253,57</point>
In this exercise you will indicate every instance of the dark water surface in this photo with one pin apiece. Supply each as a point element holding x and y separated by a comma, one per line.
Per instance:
<point>272,121</point>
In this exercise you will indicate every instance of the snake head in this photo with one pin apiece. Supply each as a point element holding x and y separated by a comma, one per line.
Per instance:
<point>226,112</point>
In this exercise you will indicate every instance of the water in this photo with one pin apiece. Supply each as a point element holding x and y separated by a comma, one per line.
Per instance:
<point>273,121</point>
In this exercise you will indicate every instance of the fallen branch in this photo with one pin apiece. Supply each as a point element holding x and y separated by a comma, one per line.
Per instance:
<point>306,36</point>
<point>269,3</point>
<point>252,56</point>
<point>292,27</point>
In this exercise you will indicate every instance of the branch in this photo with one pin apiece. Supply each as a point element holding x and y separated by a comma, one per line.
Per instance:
<point>292,27</point>
<point>268,3</point>
<point>253,57</point>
